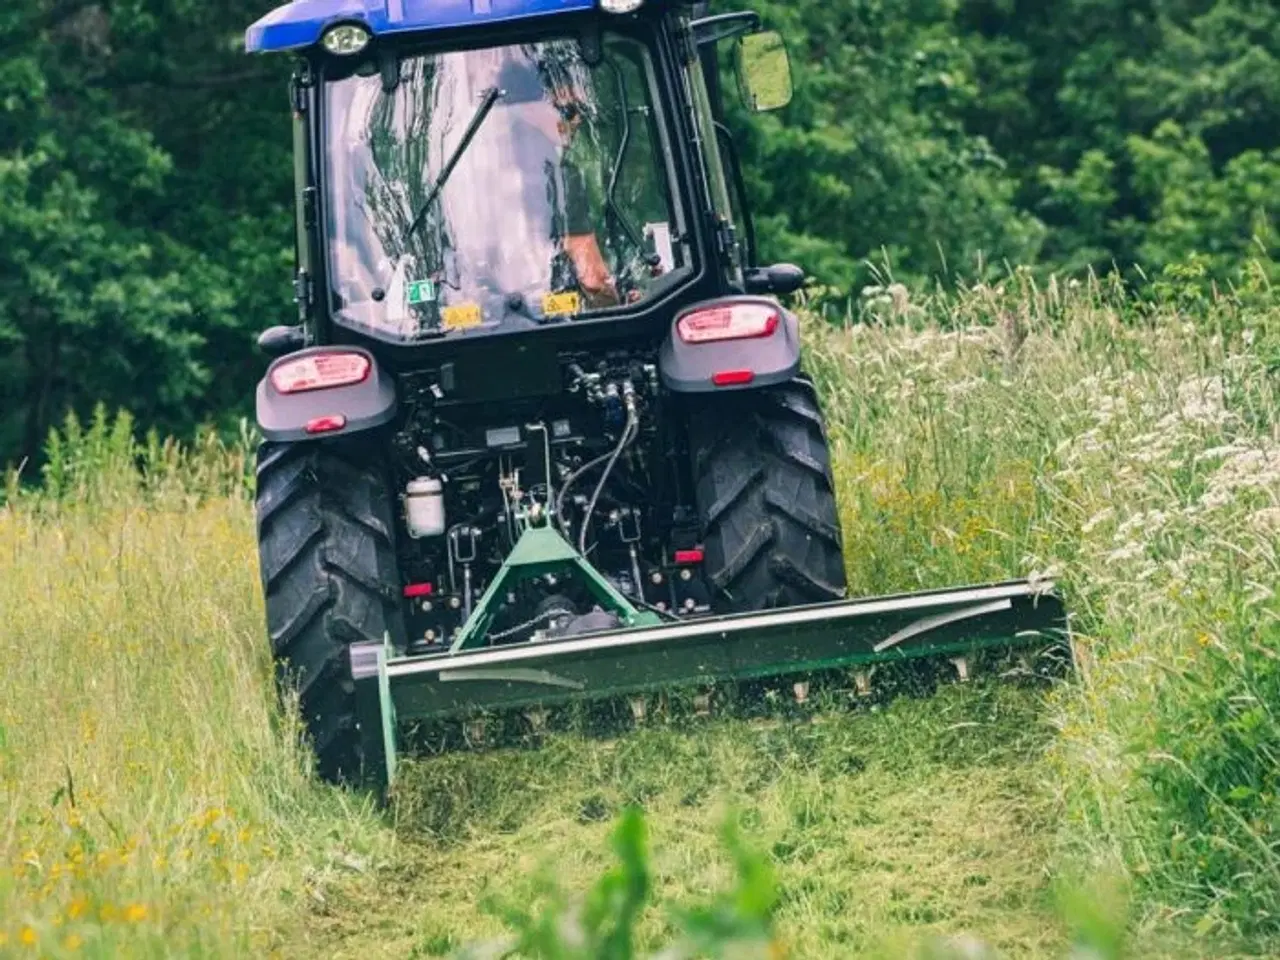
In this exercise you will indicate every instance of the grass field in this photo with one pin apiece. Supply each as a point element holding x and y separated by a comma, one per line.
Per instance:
<point>155,802</point>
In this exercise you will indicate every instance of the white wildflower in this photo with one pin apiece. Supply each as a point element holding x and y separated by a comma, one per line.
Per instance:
<point>1217,453</point>
<point>1129,551</point>
<point>1150,522</point>
<point>1256,468</point>
<point>1102,516</point>
<point>964,387</point>
<point>1108,407</point>
<point>1260,593</point>
<point>1267,520</point>
<point>1203,400</point>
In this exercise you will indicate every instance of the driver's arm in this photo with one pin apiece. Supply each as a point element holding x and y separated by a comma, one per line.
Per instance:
<point>582,243</point>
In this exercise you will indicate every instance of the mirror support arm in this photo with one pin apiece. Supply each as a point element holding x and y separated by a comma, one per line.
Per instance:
<point>730,148</point>
<point>724,26</point>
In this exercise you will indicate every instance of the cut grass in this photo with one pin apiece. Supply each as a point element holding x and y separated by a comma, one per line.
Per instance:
<point>927,817</point>
<point>154,801</point>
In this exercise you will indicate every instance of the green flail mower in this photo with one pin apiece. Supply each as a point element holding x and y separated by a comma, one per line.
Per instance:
<point>541,432</point>
<point>647,654</point>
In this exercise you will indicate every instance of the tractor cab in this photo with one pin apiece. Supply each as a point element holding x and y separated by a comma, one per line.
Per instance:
<point>474,167</point>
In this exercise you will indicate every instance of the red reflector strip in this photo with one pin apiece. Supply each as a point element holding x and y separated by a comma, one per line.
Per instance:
<point>326,424</point>
<point>732,378</point>
<point>412,590</point>
<point>689,556</point>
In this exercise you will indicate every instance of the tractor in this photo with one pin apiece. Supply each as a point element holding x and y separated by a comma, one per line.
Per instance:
<point>541,431</point>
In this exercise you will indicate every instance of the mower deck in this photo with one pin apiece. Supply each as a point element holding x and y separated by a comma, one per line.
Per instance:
<point>391,690</point>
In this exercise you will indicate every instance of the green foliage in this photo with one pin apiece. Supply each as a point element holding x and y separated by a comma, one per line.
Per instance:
<point>603,926</point>
<point>145,210</point>
<point>941,138</point>
<point>739,924</point>
<point>872,161</point>
<point>145,172</point>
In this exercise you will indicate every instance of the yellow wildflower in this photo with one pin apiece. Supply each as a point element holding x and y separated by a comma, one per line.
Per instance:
<point>135,913</point>
<point>72,942</point>
<point>28,936</point>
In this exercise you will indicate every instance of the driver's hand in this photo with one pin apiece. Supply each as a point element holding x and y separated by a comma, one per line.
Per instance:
<point>598,287</point>
<point>605,295</point>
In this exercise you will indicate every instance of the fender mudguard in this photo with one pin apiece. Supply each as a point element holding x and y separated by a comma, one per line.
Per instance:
<point>692,367</point>
<point>364,405</point>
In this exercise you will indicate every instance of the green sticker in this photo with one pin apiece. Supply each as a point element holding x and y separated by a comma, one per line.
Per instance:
<point>421,291</point>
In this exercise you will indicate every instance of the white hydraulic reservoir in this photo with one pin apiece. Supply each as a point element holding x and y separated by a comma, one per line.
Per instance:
<point>424,507</point>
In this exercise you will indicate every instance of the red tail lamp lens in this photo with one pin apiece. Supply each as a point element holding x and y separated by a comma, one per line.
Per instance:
<point>685,557</point>
<point>734,321</point>
<point>320,371</point>
<point>412,590</point>
<point>732,378</point>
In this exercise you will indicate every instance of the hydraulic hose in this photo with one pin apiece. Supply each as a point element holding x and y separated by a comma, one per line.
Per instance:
<point>628,435</point>
<point>568,485</point>
<point>575,477</point>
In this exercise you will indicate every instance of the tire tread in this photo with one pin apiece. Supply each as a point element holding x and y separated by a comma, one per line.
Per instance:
<point>330,578</point>
<point>766,497</point>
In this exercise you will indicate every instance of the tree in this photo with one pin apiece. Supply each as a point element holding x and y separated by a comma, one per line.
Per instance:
<point>131,268</point>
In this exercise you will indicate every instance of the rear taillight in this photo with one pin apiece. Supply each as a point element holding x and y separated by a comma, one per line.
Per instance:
<point>732,321</point>
<point>320,371</point>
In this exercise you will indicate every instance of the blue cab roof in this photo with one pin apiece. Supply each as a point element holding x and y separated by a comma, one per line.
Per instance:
<point>300,23</point>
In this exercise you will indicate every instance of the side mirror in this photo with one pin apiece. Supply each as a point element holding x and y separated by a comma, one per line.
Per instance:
<point>764,71</point>
<point>781,278</point>
<point>277,341</point>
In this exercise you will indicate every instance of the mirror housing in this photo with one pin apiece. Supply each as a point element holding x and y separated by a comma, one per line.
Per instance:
<point>279,340</point>
<point>764,71</point>
<point>781,278</point>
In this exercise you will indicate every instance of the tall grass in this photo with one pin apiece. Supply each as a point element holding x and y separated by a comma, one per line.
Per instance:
<point>1132,450</point>
<point>153,800</point>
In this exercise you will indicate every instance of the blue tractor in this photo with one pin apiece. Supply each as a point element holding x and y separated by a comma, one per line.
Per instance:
<point>541,430</point>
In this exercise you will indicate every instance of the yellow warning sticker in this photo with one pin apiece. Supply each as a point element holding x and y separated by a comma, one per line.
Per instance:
<point>561,304</point>
<point>461,317</point>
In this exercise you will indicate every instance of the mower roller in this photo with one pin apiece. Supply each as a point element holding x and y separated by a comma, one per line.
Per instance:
<point>541,431</point>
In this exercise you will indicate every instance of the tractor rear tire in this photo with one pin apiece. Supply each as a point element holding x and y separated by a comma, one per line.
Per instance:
<point>326,549</point>
<point>766,499</point>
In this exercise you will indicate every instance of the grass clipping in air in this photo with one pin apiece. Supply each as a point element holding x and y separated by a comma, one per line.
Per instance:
<point>155,802</point>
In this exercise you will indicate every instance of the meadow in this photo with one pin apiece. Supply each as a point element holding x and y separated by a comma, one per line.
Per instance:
<point>154,800</point>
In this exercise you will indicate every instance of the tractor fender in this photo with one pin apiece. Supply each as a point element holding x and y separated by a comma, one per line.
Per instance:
<point>363,406</point>
<point>693,367</point>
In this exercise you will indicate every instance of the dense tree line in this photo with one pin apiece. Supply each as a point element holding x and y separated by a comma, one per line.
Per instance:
<point>145,180</point>
<point>938,136</point>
